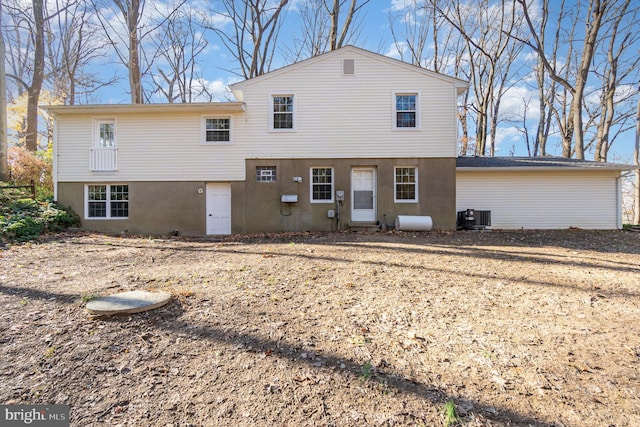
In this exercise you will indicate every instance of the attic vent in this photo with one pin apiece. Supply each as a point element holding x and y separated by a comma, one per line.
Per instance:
<point>348,67</point>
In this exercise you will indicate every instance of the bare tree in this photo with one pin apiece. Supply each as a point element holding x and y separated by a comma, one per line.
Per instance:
<point>616,72</point>
<point>255,28</point>
<point>71,48</point>
<point>33,91</point>
<point>340,30</point>
<point>636,161</point>
<point>127,34</point>
<point>4,146</point>
<point>594,17</point>
<point>485,28</point>
<point>131,12</point>
<point>326,25</point>
<point>412,31</point>
<point>179,43</point>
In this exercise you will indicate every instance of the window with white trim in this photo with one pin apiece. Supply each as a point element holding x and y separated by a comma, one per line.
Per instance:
<point>282,112</point>
<point>405,183</point>
<point>265,173</point>
<point>107,201</point>
<point>321,185</point>
<point>105,133</point>
<point>216,129</point>
<point>406,111</point>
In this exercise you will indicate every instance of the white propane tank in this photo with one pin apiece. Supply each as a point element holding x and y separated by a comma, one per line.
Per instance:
<point>413,223</point>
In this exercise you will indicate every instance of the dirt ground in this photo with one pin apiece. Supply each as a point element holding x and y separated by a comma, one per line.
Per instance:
<point>349,329</point>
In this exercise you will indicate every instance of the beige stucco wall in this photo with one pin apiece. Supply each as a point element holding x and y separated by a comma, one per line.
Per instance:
<point>257,206</point>
<point>161,207</point>
<point>154,208</point>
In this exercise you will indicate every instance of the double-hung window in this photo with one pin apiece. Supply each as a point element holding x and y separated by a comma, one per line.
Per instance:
<point>216,129</point>
<point>107,201</point>
<point>321,185</point>
<point>406,111</point>
<point>282,112</point>
<point>406,185</point>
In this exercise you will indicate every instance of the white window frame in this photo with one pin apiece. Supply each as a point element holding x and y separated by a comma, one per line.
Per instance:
<point>203,130</point>
<point>107,202</point>
<point>311,184</point>
<point>394,119</point>
<point>97,122</point>
<point>272,112</point>
<point>395,183</point>
<point>272,177</point>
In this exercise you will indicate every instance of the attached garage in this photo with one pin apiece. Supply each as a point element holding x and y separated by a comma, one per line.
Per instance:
<point>541,192</point>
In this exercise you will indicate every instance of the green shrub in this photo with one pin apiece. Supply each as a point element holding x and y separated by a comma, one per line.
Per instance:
<point>25,219</point>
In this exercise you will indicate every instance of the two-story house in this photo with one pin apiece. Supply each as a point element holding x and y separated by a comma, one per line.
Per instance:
<point>348,138</point>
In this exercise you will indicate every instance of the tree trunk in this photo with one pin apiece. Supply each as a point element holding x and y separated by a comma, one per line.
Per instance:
<point>636,207</point>
<point>135,80</point>
<point>4,166</point>
<point>33,95</point>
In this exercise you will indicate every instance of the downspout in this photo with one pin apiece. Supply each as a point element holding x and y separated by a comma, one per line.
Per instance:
<point>54,170</point>
<point>619,209</point>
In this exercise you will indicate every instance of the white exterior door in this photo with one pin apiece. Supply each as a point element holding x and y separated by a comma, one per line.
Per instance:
<point>218,208</point>
<point>363,194</point>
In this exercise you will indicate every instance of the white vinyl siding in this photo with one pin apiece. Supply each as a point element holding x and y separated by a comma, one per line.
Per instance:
<point>541,200</point>
<point>338,117</point>
<point>151,147</point>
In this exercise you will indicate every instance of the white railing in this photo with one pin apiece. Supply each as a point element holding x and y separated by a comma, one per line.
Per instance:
<point>103,159</point>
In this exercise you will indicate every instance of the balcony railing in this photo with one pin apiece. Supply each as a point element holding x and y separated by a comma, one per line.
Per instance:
<point>103,159</point>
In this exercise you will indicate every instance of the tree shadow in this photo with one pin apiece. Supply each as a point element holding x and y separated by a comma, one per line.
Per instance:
<point>168,318</point>
<point>401,384</point>
<point>471,253</point>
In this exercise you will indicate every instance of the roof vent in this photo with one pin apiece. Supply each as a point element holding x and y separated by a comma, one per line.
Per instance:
<point>348,67</point>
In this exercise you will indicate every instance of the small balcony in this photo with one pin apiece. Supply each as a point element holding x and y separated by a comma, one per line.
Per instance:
<point>103,159</point>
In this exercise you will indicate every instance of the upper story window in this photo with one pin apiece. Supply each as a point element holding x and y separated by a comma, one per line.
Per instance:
<point>406,109</point>
<point>265,173</point>
<point>107,201</point>
<point>321,185</point>
<point>406,184</point>
<point>282,113</point>
<point>216,129</point>
<point>105,133</point>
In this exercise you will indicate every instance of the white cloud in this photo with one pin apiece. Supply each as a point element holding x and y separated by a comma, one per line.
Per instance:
<point>396,50</point>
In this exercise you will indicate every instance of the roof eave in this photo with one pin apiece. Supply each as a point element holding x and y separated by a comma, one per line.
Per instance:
<point>203,108</point>
<point>544,168</point>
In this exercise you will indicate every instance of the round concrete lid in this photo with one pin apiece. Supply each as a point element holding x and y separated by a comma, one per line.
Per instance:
<point>128,302</point>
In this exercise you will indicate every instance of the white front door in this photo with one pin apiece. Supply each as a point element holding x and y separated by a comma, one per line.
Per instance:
<point>218,208</point>
<point>363,194</point>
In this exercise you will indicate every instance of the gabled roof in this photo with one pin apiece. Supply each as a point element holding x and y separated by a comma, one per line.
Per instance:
<point>461,85</point>
<point>196,107</point>
<point>534,163</point>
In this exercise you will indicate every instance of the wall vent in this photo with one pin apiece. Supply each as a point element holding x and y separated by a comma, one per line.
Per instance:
<point>348,67</point>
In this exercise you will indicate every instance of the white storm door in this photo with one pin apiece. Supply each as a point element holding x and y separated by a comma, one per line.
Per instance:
<point>363,194</point>
<point>218,208</point>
